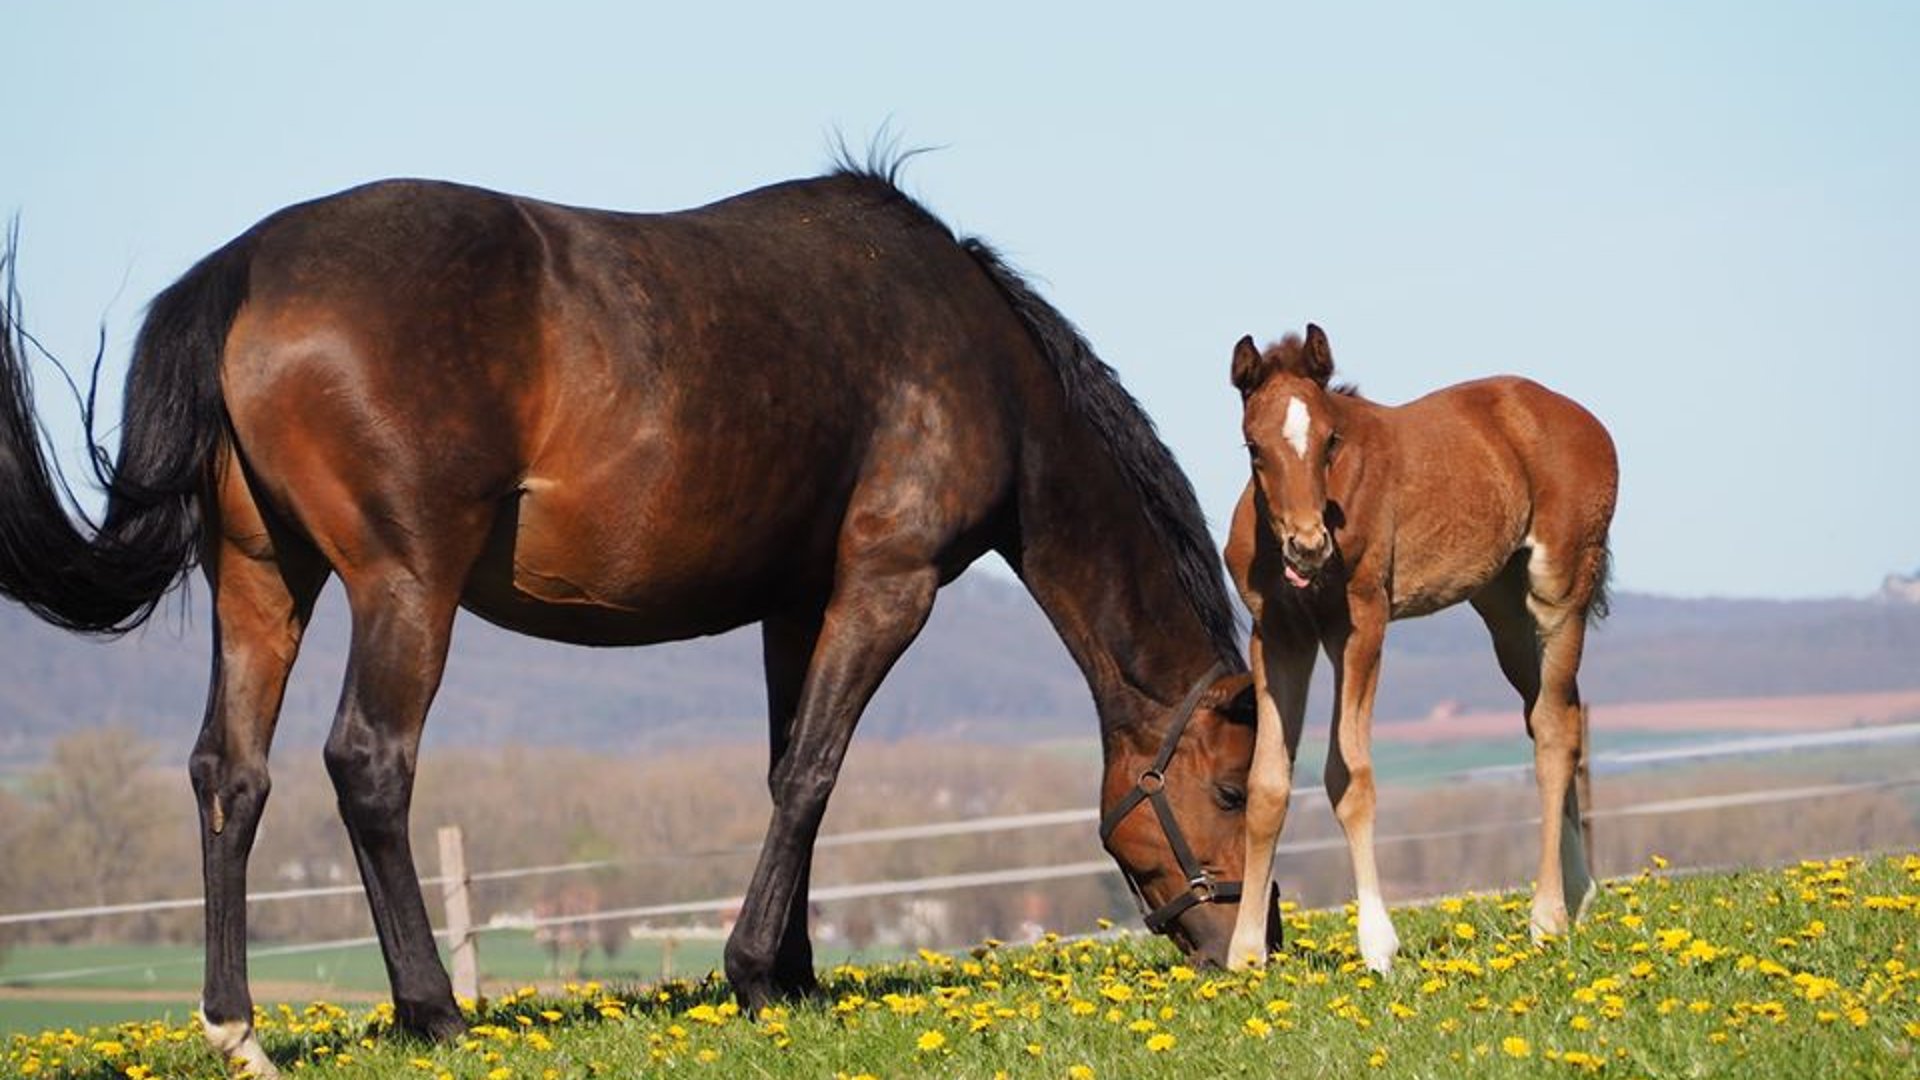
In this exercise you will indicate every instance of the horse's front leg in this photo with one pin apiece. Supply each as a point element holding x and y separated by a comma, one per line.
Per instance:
<point>401,628</point>
<point>787,642</point>
<point>1350,783</point>
<point>876,611</point>
<point>1282,667</point>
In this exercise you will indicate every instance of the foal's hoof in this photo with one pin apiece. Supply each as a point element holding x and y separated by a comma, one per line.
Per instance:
<point>1547,922</point>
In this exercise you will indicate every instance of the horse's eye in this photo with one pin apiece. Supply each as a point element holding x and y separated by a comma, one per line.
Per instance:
<point>1229,798</point>
<point>1333,445</point>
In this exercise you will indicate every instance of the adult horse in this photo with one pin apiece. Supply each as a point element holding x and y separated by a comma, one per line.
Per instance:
<point>808,406</point>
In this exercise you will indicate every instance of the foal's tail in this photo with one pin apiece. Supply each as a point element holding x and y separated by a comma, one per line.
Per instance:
<point>106,577</point>
<point>1601,605</point>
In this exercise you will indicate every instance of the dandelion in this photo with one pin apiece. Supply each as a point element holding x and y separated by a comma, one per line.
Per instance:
<point>1160,1043</point>
<point>1515,1047</point>
<point>1260,1029</point>
<point>930,1041</point>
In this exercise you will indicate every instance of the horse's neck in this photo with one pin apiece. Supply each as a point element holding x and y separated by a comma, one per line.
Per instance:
<point>1108,583</point>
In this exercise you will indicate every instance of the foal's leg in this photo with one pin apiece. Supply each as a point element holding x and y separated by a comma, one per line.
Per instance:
<point>402,623</point>
<point>881,599</point>
<point>1350,785</point>
<point>262,599</point>
<point>787,642</point>
<point>1281,671</point>
<point>1560,591</point>
<point>1538,644</point>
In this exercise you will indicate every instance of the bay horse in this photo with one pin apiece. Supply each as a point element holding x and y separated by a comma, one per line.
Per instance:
<point>1498,492</point>
<point>808,406</point>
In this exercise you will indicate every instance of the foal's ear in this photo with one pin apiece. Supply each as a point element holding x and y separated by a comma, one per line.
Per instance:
<point>1316,356</point>
<point>1233,699</point>
<point>1249,368</point>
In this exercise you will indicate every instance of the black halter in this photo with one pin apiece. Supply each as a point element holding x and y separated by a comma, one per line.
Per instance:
<point>1152,788</point>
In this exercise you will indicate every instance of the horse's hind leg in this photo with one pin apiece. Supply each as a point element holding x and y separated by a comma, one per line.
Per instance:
<point>263,591</point>
<point>402,623</point>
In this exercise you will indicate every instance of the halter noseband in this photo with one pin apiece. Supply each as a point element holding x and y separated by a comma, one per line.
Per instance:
<point>1152,788</point>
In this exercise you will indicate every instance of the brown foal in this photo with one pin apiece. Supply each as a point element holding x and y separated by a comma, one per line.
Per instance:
<point>1498,492</point>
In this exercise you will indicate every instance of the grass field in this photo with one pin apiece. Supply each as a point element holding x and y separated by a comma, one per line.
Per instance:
<point>1804,972</point>
<point>163,981</point>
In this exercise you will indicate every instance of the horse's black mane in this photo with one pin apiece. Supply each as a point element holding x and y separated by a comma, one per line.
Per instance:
<point>1095,394</point>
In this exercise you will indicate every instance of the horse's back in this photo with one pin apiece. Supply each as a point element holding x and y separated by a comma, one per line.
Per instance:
<point>657,421</point>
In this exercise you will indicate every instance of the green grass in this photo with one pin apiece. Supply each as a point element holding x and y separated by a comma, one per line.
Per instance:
<point>510,957</point>
<point>1807,972</point>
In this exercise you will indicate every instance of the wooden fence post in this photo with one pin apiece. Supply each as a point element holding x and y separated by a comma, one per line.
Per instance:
<point>666,956</point>
<point>460,940</point>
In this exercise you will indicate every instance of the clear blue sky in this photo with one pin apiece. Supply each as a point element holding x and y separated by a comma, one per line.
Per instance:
<point>1701,220</point>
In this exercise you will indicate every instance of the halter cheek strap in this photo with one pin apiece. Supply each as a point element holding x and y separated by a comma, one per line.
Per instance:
<point>1151,788</point>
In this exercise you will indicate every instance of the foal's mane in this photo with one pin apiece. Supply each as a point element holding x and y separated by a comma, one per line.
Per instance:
<point>1289,354</point>
<point>1095,395</point>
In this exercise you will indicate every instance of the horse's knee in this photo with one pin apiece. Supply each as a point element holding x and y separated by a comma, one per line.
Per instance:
<point>372,780</point>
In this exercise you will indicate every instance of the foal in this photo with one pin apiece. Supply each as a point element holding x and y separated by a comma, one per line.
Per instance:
<point>1498,492</point>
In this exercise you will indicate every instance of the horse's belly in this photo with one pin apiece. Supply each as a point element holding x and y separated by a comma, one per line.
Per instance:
<point>607,572</point>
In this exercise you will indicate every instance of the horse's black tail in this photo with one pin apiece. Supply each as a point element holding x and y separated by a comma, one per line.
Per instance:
<point>107,578</point>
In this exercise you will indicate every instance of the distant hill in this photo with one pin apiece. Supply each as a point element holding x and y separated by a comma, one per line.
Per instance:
<point>987,667</point>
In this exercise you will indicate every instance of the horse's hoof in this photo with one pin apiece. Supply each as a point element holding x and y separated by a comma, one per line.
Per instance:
<point>236,1043</point>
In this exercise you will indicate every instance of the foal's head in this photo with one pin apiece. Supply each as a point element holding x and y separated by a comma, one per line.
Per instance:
<point>1290,434</point>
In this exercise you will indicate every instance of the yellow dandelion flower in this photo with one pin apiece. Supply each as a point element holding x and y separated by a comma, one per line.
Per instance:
<point>1160,1043</point>
<point>1079,1072</point>
<point>1515,1047</point>
<point>930,1041</point>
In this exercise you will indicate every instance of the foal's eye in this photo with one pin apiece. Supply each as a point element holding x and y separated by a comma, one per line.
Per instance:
<point>1229,798</point>
<point>1333,446</point>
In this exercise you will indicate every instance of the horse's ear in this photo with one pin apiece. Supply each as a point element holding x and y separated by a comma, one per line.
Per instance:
<point>1233,699</point>
<point>1316,357</point>
<point>1249,369</point>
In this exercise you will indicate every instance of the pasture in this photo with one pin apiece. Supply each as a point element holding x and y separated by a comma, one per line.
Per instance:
<point>1808,970</point>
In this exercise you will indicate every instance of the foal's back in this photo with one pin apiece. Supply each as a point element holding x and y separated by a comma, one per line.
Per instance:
<point>1483,470</point>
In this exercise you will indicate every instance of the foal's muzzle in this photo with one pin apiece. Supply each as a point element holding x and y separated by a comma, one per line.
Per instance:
<point>1305,558</point>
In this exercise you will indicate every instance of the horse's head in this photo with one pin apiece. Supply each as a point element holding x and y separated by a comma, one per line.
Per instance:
<point>1173,810</point>
<point>1291,436</point>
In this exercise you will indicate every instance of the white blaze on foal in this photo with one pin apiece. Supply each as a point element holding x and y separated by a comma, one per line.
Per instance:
<point>1295,427</point>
